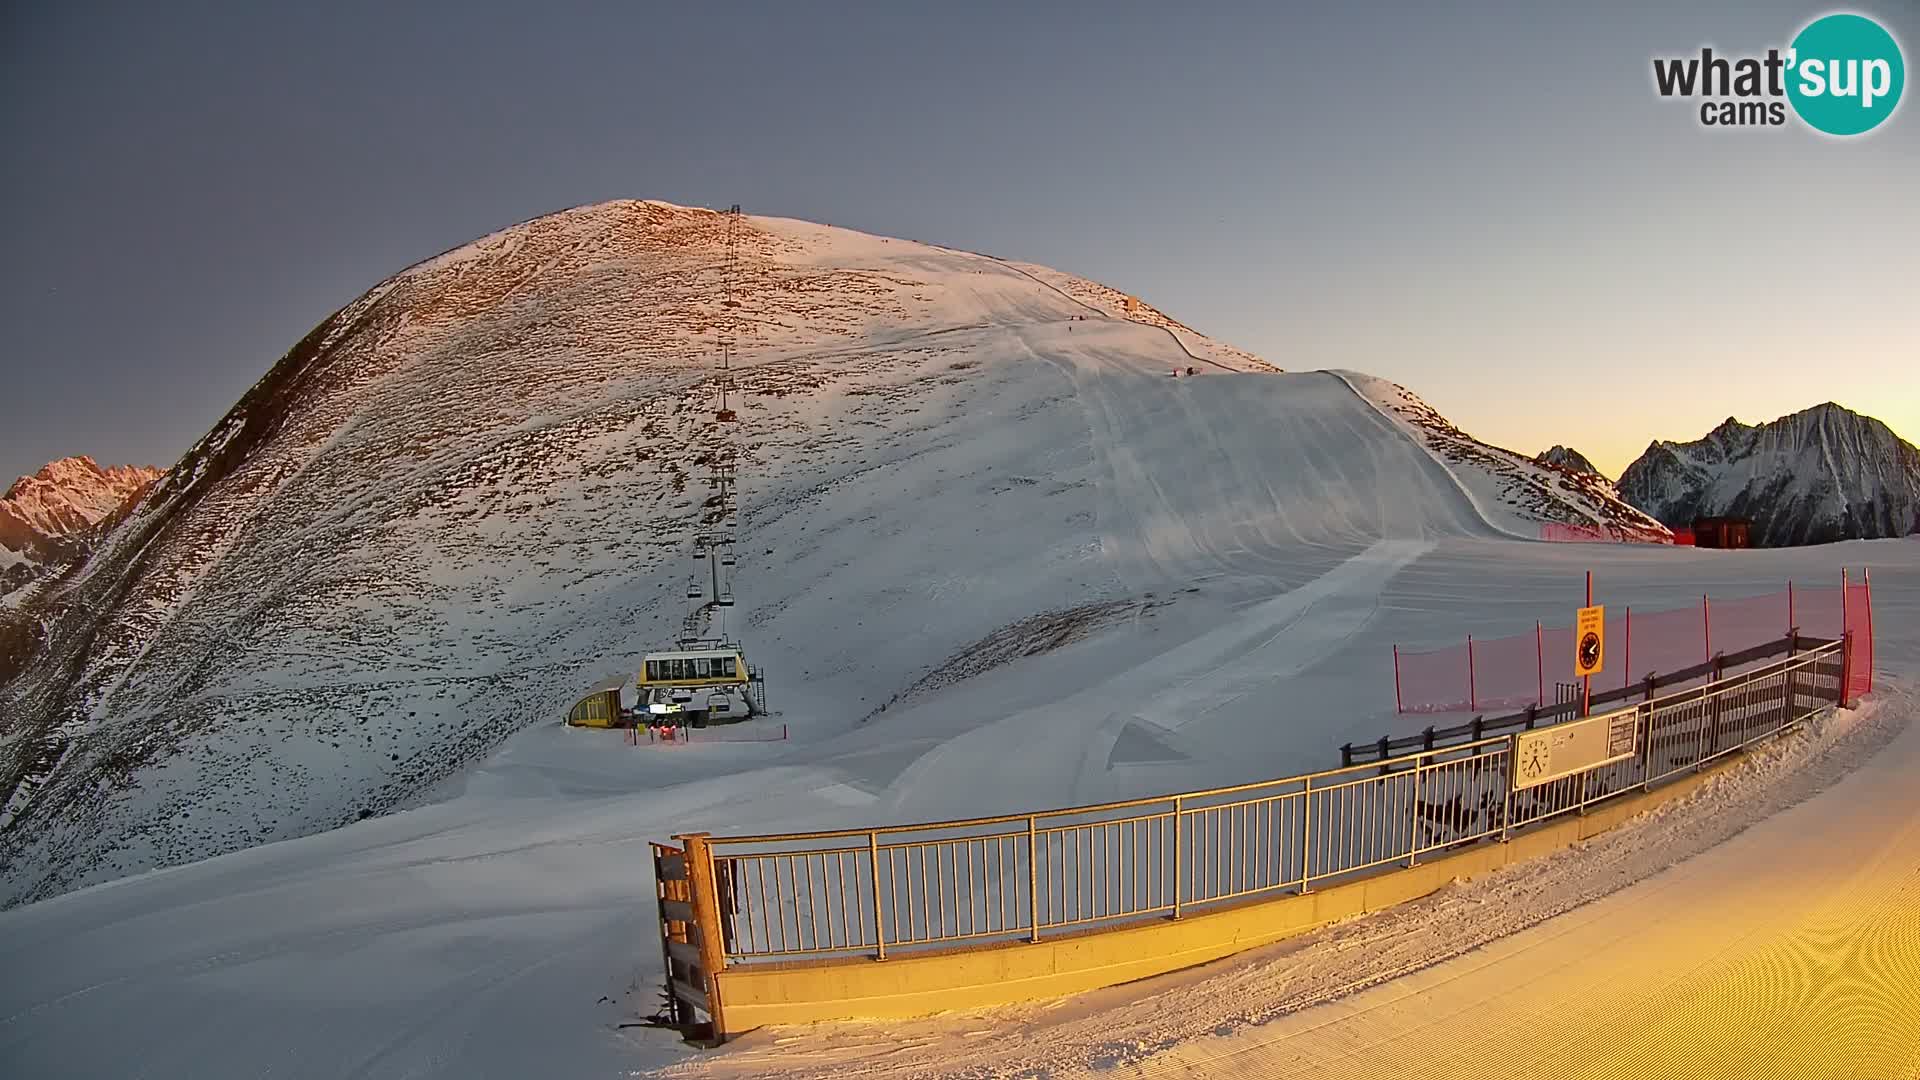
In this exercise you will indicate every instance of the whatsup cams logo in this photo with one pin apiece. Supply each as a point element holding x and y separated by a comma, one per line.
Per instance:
<point>1842,75</point>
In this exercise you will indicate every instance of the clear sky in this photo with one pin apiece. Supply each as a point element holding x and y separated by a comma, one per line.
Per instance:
<point>1490,205</point>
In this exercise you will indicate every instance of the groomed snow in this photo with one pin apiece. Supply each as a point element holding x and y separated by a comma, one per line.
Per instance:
<point>505,931</point>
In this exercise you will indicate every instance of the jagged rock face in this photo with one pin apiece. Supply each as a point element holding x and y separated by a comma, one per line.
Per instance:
<point>1567,458</point>
<point>1817,476</point>
<point>46,518</point>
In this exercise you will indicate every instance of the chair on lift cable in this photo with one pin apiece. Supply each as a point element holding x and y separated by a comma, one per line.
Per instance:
<point>724,599</point>
<point>693,592</point>
<point>727,559</point>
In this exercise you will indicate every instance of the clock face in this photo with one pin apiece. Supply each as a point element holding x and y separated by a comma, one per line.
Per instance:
<point>1589,652</point>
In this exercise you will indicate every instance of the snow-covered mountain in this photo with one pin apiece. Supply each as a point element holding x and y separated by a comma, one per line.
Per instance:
<point>1568,458</point>
<point>45,518</point>
<point>1510,488</point>
<point>468,496</point>
<point>1816,476</point>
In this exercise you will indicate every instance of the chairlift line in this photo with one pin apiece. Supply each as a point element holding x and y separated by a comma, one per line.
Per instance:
<point>705,624</point>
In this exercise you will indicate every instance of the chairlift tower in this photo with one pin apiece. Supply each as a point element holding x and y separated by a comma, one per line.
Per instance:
<point>714,543</point>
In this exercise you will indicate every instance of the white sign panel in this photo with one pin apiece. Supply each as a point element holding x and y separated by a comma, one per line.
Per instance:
<point>1550,753</point>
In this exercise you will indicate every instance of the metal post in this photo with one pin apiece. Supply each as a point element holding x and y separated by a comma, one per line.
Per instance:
<point>1786,718</point>
<point>1539,663</point>
<point>1846,632</point>
<point>1413,812</point>
<point>1706,625</point>
<point>1176,856</point>
<point>1506,788</point>
<point>1473,691</point>
<point>873,864</point>
<point>1846,666</point>
<point>1586,681</point>
<point>1397,706</point>
<point>1306,835</point>
<point>1033,877</point>
<point>1713,731</point>
<point>1626,665</point>
<point>1791,623</point>
<point>1646,744</point>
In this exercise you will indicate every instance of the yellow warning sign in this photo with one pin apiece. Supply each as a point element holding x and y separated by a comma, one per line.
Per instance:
<point>1589,640</point>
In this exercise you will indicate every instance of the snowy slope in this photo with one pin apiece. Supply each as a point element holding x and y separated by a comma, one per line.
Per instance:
<point>466,498</point>
<point>1816,476</point>
<point>504,931</point>
<point>1515,493</point>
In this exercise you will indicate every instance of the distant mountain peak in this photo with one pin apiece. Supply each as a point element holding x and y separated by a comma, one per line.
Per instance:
<point>65,497</point>
<point>1567,458</point>
<point>1821,474</point>
<point>46,517</point>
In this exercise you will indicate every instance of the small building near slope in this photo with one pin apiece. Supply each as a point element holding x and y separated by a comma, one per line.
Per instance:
<point>1722,532</point>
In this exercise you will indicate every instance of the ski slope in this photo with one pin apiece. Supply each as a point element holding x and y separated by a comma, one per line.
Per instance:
<point>505,930</point>
<point>468,497</point>
<point>1008,564</point>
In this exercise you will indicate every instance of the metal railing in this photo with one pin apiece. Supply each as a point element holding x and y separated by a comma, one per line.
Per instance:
<point>1021,876</point>
<point>1567,709</point>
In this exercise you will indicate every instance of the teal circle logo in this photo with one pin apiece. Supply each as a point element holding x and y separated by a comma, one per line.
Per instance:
<point>1845,74</point>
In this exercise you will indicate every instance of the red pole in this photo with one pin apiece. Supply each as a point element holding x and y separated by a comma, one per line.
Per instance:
<point>1539,664</point>
<point>1866,577</point>
<point>1473,690</point>
<point>1790,623</point>
<point>1626,667</point>
<point>1396,679</point>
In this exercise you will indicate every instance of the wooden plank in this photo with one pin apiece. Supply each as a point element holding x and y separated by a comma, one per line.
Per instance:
<point>691,995</point>
<point>677,910</point>
<point>685,952</point>
<point>671,868</point>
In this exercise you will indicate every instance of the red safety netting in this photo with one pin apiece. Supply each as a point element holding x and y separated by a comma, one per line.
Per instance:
<point>1521,669</point>
<point>1434,681</point>
<point>1508,673</point>
<point>1859,619</point>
